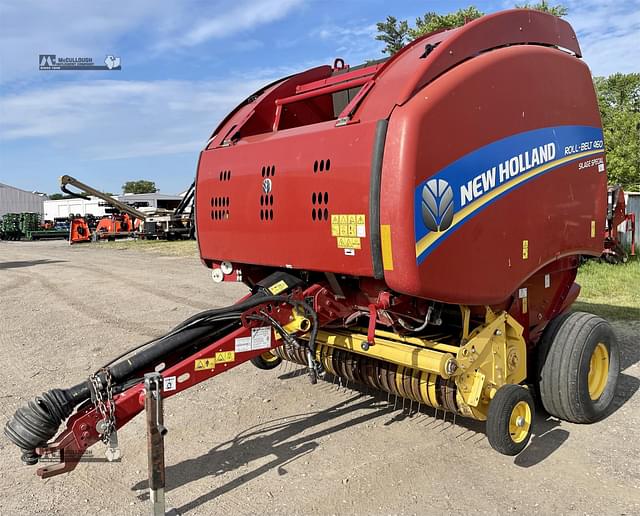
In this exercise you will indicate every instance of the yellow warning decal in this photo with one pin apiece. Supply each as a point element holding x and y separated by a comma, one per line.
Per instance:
<point>278,287</point>
<point>525,249</point>
<point>348,229</point>
<point>203,364</point>
<point>349,243</point>
<point>222,357</point>
<point>593,229</point>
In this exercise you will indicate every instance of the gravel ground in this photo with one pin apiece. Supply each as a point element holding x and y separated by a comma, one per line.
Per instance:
<point>249,441</point>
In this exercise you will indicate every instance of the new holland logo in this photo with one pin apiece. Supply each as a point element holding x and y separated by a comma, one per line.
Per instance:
<point>266,185</point>
<point>437,205</point>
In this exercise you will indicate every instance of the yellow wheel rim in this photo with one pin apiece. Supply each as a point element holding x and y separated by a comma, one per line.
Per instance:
<point>269,357</point>
<point>598,371</point>
<point>520,422</point>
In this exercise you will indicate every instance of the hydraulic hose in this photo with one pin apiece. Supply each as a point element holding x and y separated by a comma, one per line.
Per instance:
<point>36,423</point>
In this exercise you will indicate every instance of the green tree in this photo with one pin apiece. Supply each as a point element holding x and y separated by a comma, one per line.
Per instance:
<point>55,196</point>
<point>393,33</point>
<point>140,186</point>
<point>557,10</point>
<point>397,33</point>
<point>619,101</point>
<point>433,21</point>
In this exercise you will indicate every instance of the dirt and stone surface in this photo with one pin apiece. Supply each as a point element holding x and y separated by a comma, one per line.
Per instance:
<point>252,442</point>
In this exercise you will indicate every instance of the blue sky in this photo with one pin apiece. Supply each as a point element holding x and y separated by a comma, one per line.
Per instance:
<point>186,64</point>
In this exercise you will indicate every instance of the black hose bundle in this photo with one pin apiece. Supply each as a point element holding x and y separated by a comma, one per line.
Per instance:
<point>36,423</point>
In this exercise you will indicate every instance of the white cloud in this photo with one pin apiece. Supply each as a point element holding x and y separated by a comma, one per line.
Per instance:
<point>76,28</point>
<point>354,42</point>
<point>609,34</point>
<point>106,119</point>
<point>243,16</point>
<point>67,28</point>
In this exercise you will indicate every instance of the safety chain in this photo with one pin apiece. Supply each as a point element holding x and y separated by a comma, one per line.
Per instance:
<point>104,403</point>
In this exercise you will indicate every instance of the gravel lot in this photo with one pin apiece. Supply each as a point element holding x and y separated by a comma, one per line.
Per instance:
<point>249,441</point>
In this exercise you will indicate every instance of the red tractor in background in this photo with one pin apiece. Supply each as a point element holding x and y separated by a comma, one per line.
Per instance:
<point>614,251</point>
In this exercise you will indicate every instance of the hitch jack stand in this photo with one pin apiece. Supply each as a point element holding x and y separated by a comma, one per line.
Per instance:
<point>155,441</point>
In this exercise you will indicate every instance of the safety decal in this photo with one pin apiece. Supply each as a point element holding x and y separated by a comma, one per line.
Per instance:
<point>348,229</point>
<point>169,384</point>
<point>204,364</point>
<point>261,337</point>
<point>278,287</point>
<point>461,190</point>
<point>223,357</point>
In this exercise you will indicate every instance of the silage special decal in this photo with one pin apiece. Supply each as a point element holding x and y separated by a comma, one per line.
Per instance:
<point>466,186</point>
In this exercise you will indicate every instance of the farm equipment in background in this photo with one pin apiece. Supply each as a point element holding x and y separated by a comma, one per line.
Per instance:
<point>614,251</point>
<point>28,225</point>
<point>79,230</point>
<point>170,224</point>
<point>416,242</point>
<point>120,222</point>
<point>126,220</point>
<point>11,226</point>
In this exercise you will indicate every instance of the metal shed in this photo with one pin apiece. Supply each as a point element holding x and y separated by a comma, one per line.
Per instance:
<point>15,200</point>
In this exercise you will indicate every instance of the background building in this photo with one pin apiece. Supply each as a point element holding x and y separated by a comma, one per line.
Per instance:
<point>14,200</point>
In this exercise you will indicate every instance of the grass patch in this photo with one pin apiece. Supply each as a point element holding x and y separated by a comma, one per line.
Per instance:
<point>611,291</point>
<point>164,247</point>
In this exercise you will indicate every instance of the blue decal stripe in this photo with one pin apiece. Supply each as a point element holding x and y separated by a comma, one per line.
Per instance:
<point>431,240</point>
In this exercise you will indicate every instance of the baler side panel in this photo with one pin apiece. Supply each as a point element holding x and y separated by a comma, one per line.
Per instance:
<point>522,96</point>
<point>302,215</point>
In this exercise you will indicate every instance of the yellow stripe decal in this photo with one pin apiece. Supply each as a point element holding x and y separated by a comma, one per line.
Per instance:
<point>387,253</point>
<point>432,237</point>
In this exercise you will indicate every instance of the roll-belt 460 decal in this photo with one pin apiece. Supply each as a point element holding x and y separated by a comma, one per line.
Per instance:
<point>465,187</point>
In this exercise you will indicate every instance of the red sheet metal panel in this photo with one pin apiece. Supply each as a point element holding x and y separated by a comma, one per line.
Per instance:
<point>486,130</point>
<point>286,189</point>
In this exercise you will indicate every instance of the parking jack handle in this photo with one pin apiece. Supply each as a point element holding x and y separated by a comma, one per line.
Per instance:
<point>155,441</point>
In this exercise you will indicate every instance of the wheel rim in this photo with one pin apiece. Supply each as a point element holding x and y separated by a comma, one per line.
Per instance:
<point>598,371</point>
<point>269,357</point>
<point>520,422</point>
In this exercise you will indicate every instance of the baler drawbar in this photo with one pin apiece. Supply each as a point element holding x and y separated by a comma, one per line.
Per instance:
<point>414,225</point>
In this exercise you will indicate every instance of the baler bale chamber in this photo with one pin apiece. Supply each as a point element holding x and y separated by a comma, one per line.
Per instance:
<point>413,225</point>
<point>440,201</point>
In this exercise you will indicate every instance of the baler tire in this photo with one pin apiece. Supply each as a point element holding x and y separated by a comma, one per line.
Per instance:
<point>510,401</point>
<point>566,357</point>
<point>266,363</point>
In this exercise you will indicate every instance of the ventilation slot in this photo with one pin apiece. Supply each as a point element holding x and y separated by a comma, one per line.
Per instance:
<point>225,175</point>
<point>324,165</point>
<point>269,171</point>
<point>219,208</point>
<point>266,207</point>
<point>320,210</point>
